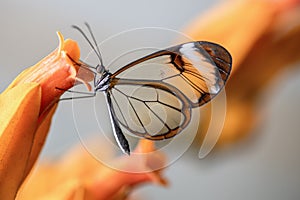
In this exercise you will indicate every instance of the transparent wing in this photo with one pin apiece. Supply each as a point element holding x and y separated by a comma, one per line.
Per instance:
<point>150,109</point>
<point>198,69</point>
<point>152,97</point>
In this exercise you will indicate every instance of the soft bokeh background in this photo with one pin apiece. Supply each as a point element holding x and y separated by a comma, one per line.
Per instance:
<point>265,165</point>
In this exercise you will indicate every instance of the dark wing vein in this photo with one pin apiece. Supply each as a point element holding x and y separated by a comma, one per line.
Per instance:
<point>192,84</point>
<point>136,114</point>
<point>197,75</point>
<point>159,118</point>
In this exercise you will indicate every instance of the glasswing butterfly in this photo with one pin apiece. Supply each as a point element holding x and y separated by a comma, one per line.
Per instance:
<point>153,97</point>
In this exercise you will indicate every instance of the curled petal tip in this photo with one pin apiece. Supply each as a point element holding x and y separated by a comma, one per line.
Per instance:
<point>61,42</point>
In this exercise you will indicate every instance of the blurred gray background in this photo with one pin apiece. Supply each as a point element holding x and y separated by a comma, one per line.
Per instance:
<point>266,166</point>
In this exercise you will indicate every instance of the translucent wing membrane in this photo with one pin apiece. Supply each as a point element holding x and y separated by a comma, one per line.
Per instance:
<point>198,69</point>
<point>152,97</point>
<point>150,109</point>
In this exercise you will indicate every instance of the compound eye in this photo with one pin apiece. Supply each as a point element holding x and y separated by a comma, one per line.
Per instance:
<point>100,69</point>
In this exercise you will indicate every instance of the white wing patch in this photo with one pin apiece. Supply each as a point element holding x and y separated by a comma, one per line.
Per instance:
<point>200,60</point>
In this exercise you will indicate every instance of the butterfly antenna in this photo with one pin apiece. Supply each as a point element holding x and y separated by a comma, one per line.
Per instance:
<point>91,45</point>
<point>95,42</point>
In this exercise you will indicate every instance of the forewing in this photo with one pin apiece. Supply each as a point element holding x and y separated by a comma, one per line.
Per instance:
<point>198,69</point>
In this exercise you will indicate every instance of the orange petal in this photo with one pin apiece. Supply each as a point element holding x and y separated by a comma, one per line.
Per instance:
<point>27,107</point>
<point>56,70</point>
<point>40,138</point>
<point>17,134</point>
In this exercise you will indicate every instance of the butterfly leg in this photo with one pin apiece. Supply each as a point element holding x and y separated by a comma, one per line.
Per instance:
<point>119,136</point>
<point>85,94</point>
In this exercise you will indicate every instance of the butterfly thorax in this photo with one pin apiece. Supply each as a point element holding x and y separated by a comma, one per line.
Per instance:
<point>102,84</point>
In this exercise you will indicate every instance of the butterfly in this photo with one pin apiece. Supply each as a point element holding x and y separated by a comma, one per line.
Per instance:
<point>153,96</point>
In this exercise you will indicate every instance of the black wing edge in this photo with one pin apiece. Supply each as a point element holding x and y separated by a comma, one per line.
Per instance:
<point>118,133</point>
<point>223,61</point>
<point>220,56</point>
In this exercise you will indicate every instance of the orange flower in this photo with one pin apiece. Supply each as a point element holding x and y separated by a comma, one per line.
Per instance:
<point>27,106</point>
<point>263,37</point>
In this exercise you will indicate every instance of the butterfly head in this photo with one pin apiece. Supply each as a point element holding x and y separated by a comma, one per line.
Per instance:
<point>100,69</point>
